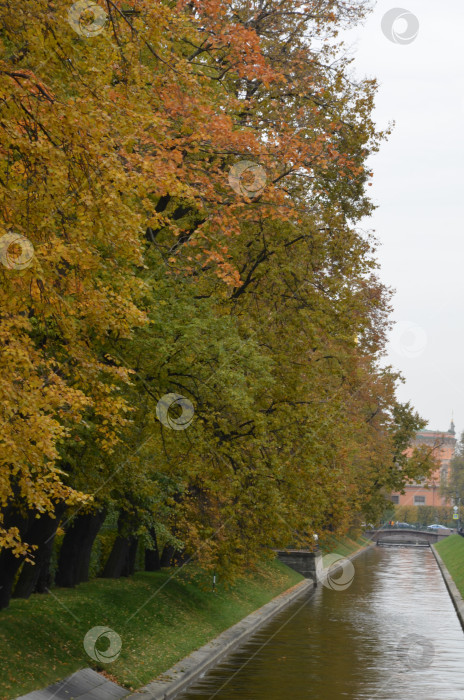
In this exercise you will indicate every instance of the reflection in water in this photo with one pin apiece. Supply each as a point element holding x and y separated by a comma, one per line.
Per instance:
<point>392,635</point>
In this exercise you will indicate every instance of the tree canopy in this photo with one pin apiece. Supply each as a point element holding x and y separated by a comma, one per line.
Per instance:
<point>453,488</point>
<point>182,185</point>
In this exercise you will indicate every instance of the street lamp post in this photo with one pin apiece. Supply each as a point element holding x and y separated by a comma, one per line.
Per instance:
<point>457,503</point>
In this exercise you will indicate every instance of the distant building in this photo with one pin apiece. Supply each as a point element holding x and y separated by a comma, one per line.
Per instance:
<point>427,491</point>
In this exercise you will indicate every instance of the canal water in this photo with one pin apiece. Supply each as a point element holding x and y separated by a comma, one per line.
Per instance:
<point>393,634</point>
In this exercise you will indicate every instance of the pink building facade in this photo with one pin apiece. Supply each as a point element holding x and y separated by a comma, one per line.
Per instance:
<point>427,491</point>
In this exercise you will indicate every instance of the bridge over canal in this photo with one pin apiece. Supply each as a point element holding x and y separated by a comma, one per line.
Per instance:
<point>310,563</point>
<point>406,536</point>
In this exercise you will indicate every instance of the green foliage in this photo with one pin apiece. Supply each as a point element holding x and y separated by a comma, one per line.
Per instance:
<point>426,515</point>
<point>454,488</point>
<point>101,550</point>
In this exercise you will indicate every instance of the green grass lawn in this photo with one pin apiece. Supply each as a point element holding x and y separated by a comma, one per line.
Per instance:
<point>346,546</point>
<point>451,550</point>
<point>41,639</point>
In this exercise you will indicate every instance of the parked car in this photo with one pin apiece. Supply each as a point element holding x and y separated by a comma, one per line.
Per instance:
<point>436,526</point>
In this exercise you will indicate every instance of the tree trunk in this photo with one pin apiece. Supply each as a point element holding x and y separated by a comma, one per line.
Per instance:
<point>36,576</point>
<point>117,558</point>
<point>74,559</point>
<point>128,568</point>
<point>166,555</point>
<point>9,564</point>
<point>121,561</point>
<point>45,577</point>
<point>152,556</point>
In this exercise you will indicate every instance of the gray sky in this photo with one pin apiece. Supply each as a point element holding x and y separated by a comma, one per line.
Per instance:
<point>418,187</point>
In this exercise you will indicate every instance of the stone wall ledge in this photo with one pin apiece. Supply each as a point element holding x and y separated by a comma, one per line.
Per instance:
<point>453,590</point>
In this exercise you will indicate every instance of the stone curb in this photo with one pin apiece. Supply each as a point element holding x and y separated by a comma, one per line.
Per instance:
<point>453,590</point>
<point>185,672</point>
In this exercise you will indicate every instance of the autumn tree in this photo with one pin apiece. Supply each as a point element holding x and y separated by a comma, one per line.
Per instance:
<point>140,257</point>
<point>454,487</point>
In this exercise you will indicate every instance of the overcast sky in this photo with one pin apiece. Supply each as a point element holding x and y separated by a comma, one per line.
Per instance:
<point>418,187</point>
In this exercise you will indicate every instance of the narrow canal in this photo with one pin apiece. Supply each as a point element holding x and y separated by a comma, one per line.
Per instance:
<point>393,634</point>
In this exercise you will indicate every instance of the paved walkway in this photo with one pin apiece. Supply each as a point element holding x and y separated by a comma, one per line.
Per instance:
<point>84,685</point>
